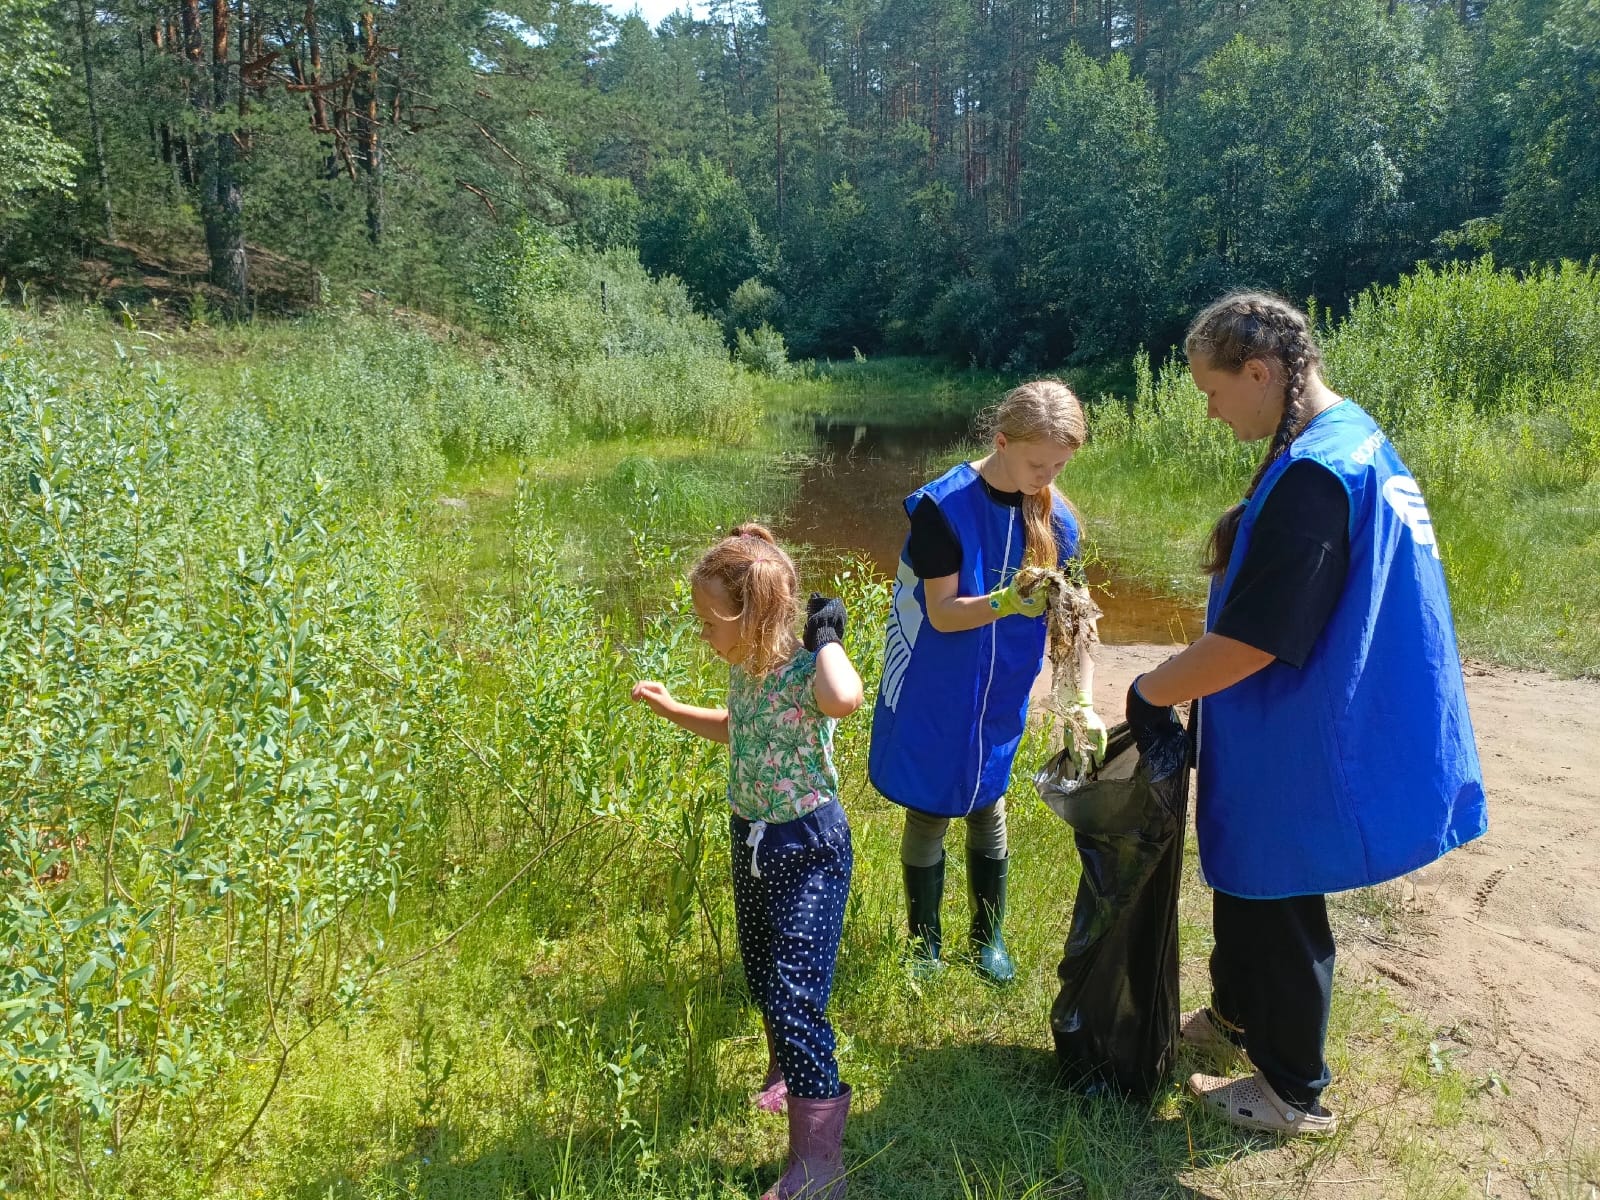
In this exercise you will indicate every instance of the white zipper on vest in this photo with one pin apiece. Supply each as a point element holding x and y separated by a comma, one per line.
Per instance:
<point>994,645</point>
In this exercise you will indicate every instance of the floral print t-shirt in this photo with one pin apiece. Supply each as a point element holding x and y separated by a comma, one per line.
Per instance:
<point>780,744</point>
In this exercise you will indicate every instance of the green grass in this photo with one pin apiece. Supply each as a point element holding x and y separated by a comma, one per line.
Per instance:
<point>587,1064</point>
<point>559,1010</point>
<point>1517,513</point>
<point>626,515</point>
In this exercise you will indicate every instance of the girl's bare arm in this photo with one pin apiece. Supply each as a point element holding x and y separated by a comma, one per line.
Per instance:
<point>837,685</point>
<point>1085,660</point>
<point>950,613</point>
<point>709,723</point>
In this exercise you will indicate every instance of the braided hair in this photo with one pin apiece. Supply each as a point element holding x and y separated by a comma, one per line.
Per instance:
<point>1229,333</point>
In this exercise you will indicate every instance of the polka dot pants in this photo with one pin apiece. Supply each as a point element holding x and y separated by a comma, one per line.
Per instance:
<point>790,882</point>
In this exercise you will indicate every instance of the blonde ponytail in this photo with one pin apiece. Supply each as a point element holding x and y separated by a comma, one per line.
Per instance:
<point>760,581</point>
<point>1039,528</point>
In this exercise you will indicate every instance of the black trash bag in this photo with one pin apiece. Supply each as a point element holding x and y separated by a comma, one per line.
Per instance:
<point>1116,1017</point>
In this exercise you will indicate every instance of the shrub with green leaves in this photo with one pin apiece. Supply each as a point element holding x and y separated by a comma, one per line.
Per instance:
<point>34,155</point>
<point>1479,372</point>
<point>247,765</point>
<point>752,305</point>
<point>205,767</point>
<point>762,350</point>
<point>1467,336</point>
<point>620,352</point>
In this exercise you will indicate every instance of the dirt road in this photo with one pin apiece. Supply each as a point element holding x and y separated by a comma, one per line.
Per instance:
<point>1497,945</point>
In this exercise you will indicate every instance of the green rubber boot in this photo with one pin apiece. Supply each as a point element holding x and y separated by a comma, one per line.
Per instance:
<point>987,879</point>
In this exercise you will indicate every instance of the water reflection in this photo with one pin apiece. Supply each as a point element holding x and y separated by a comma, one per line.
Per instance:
<point>849,501</point>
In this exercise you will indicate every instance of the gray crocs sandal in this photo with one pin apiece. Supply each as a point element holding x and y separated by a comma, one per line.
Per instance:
<point>1251,1103</point>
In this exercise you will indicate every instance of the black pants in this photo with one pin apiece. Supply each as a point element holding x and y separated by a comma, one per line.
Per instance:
<point>1272,976</point>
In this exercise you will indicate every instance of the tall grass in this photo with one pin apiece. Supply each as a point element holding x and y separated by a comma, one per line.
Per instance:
<point>244,756</point>
<point>1488,383</point>
<point>338,863</point>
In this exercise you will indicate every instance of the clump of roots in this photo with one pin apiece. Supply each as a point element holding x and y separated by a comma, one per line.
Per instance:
<point>1070,615</point>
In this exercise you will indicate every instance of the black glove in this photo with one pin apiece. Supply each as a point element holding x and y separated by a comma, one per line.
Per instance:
<point>824,622</point>
<point>1150,723</point>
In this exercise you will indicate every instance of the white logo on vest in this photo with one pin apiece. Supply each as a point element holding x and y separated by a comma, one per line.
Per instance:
<point>1405,497</point>
<point>905,623</point>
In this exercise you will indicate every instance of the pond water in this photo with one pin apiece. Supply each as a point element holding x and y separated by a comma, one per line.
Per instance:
<point>848,501</point>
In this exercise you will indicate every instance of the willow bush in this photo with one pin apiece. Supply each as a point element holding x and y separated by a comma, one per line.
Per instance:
<point>622,352</point>
<point>251,775</point>
<point>206,775</point>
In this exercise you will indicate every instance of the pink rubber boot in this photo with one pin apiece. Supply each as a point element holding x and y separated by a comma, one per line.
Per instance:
<point>816,1140</point>
<point>773,1088</point>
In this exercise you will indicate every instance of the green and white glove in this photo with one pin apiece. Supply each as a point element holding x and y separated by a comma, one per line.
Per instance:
<point>1007,601</point>
<point>1088,750</point>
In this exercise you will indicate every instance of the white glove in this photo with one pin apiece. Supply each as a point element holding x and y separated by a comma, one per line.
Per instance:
<point>1088,749</point>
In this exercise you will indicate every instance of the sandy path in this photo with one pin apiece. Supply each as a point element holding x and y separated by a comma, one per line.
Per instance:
<point>1498,943</point>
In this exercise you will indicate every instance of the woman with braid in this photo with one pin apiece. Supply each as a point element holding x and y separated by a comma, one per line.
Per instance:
<point>1334,746</point>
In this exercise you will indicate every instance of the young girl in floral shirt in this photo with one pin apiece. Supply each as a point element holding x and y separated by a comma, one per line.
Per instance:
<point>791,843</point>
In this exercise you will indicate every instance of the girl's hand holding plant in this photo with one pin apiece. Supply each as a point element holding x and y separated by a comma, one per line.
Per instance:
<point>656,696</point>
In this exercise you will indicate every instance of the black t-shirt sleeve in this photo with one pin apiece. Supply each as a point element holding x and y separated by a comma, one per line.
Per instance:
<point>932,549</point>
<point>1294,568</point>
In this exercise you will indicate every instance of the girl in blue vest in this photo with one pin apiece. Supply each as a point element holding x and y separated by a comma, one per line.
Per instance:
<point>791,843</point>
<point>1335,749</point>
<point>962,653</point>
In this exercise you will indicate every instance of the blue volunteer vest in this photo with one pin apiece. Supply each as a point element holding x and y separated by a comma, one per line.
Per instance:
<point>1360,765</point>
<point>951,706</point>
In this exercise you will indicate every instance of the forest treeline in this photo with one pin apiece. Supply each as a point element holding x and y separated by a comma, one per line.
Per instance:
<point>1011,182</point>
